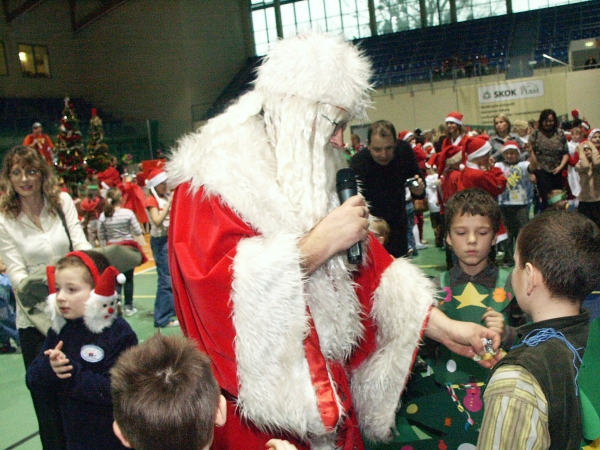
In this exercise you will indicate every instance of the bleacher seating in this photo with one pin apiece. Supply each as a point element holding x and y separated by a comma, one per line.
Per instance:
<point>412,56</point>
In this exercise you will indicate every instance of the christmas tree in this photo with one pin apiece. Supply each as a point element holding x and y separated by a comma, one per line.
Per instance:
<point>97,157</point>
<point>70,165</point>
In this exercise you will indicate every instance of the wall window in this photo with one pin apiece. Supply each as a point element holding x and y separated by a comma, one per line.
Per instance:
<point>526,5</point>
<point>349,17</point>
<point>478,9</point>
<point>34,60</point>
<point>3,66</point>
<point>397,15</point>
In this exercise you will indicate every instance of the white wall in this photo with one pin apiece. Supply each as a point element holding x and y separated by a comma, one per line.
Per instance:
<point>426,106</point>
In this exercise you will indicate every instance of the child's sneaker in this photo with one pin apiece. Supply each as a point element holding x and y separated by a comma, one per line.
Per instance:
<point>130,311</point>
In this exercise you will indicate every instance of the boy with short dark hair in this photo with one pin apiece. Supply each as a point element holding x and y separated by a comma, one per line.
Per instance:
<point>532,398</point>
<point>474,290</point>
<point>166,397</point>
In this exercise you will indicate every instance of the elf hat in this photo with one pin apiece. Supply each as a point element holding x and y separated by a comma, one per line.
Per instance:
<point>511,145</point>
<point>477,147</point>
<point>455,117</point>
<point>405,135</point>
<point>100,308</point>
<point>156,176</point>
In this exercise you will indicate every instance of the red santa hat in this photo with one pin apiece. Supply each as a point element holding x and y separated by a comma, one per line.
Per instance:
<point>514,145</point>
<point>156,176</point>
<point>477,147</point>
<point>405,135</point>
<point>432,161</point>
<point>110,178</point>
<point>453,154</point>
<point>592,132</point>
<point>100,308</point>
<point>575,113</point>
<point>428,147</point>
<point>455,117</point>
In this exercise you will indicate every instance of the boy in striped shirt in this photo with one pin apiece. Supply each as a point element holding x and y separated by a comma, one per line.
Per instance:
<point>532,398</point>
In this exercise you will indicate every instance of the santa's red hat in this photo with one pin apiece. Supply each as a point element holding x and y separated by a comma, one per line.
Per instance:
<point>405,135</point>
<point>511,145</point>
<point>428,147</point>
<point>477,147</point>
<point>575,113</point>
<point>455,117</point>
<point>592,132</point>
<point>156,176</point>
<point>100,308</point>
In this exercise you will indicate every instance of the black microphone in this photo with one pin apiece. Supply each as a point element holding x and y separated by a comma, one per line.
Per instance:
<point>346,187</point>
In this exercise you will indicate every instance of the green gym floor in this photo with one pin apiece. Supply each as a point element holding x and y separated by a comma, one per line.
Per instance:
<point>18,424</point>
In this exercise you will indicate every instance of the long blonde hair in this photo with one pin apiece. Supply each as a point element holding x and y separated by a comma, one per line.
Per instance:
<point>29,158</point>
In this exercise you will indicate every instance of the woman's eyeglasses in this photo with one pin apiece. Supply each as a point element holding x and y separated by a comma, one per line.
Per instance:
<point>29,173</point>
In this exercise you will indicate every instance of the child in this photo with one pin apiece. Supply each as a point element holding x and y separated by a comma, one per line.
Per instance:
<point>166,397</point>
<point>380,228</point>
<point>588,168</point>
<point>532,398</point>
<point>92,206</point>
<point>8,326</point>
<point>573,178</point>
<point>433,183</point>
<point>115,225</point>
<point>474,290</point>
<point>158,205</point>
<point>83,343</point>
<point>514,201</point>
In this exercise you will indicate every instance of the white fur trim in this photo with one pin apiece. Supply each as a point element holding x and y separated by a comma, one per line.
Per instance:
<point>98,315</point>
<point>453,119</point>
<point>457,157</point>
<point>58,321</point>
<point>511,147</point>
<point>401,305</point>
<point>318,67</point>
<point>482,151</point>
<point>269,313</point>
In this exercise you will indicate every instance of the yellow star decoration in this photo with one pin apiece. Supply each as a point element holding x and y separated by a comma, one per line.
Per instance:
<point>470,297</point>
<point>593,445</point>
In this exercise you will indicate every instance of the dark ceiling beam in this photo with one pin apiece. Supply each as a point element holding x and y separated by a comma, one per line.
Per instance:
<point>79,24</point>
<point>21,9</point>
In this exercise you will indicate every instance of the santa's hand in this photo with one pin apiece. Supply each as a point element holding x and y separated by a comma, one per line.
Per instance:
<point>338,231</point>
<point>495,321</point>
<point>279,444</point>
<point>463,338</point>
<point>59,362</point>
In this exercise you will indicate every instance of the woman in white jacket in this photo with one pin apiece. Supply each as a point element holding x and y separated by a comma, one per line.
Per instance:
<point>38,226</point>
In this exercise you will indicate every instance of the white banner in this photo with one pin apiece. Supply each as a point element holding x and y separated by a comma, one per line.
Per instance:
<point>511,91</point>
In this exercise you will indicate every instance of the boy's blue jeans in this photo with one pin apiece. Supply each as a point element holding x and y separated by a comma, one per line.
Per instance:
<point>164,308</point>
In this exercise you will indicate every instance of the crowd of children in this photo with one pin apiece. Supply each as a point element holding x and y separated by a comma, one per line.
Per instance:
<point>162,394</point>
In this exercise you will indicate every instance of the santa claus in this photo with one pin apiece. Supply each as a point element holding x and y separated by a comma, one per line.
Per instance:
<point>304,345</point>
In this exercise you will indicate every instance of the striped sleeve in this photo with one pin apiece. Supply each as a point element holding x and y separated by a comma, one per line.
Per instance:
<point>516,412</point>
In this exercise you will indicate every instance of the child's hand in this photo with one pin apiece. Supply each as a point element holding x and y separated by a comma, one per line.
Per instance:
<point>494,321</point>
<point>59,362</point>
<point>278,444</point>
